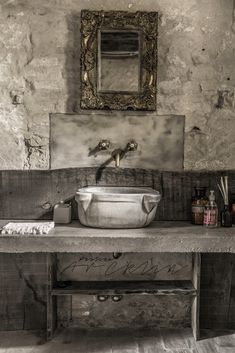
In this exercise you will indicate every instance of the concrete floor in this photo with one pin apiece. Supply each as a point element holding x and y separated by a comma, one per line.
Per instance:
<point>121,341</point>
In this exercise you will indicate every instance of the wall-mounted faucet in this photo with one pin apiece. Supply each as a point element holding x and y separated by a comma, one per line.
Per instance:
<point>118,154</point>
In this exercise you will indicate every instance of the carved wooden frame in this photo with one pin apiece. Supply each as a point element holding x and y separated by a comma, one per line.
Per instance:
<point>94,21</point>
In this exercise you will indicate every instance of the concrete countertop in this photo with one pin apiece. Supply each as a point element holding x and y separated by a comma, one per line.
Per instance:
<point>179,237</point>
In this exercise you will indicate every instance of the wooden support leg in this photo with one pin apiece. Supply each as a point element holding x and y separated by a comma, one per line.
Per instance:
<point>51,300</point>
<point>196,275</point>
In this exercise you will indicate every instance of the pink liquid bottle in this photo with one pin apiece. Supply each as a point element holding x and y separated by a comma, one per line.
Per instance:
<point>211,212</point>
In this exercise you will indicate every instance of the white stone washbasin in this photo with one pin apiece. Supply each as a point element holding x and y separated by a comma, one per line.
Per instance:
<point>117,207</point>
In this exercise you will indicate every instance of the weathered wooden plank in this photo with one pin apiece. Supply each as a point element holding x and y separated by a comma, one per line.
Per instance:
<point>22,292</point>
<point>196,275</point>
<point>64,311</point>
<point>26,194</point>
<point>176,192</point>
<point>125,288</point>
<point>51,300</point>
<point>215,290</point>
<point>23,193</point>
<point>231,311</point>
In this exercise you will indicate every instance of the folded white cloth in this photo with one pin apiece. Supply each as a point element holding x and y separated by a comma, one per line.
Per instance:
<point>27,228</point>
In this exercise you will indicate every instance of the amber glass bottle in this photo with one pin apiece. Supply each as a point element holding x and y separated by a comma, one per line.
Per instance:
<point>199,202</point>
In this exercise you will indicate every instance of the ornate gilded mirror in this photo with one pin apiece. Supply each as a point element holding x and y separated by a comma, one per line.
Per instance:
<point>118,60</point>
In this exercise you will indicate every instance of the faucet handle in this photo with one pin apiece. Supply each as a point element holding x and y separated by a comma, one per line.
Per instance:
<point>132,145</point>
<point>103,145</point>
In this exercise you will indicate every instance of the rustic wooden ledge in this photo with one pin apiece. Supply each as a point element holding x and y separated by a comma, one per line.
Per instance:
<point>167,236</point>
<point>127,288</point>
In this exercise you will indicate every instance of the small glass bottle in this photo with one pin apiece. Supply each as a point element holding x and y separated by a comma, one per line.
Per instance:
<point>211,212</point>
<point>226,217</point>
<point>199,202</point>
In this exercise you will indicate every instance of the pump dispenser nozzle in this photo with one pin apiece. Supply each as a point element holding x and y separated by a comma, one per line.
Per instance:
<point>212,195</point>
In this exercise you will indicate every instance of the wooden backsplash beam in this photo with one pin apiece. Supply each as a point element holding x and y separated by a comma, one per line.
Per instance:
<point>26,194</point>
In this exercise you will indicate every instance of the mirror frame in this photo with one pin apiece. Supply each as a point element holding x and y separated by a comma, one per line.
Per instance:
<point>92,23</point>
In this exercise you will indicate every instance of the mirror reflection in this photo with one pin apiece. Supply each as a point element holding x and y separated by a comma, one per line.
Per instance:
<point>119,61</point>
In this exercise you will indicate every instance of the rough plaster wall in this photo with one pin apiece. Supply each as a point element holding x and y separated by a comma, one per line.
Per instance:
<point>39,74</point>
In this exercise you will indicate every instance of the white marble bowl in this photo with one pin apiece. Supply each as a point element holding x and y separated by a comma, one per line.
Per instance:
<point>117,207</point>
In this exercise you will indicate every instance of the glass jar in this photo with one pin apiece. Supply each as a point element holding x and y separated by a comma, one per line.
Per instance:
<point>199,201</point>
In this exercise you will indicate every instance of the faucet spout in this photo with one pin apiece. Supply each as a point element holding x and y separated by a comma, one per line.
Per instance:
<point>117,160</point>
<point>117,156</point>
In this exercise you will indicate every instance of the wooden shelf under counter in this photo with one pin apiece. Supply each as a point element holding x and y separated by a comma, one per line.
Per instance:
<point>127,288</point>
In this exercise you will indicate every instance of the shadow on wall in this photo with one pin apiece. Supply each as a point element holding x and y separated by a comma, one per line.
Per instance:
<point>72,64</point>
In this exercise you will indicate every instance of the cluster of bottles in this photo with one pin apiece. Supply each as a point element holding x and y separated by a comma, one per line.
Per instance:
<point>205,210</point>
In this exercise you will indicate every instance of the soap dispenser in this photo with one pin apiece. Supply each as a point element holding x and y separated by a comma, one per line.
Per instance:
<point>62,213</point>
<point>211,212</point>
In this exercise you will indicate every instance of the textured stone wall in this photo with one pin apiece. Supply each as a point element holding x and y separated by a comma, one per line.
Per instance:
<point>39,74</point>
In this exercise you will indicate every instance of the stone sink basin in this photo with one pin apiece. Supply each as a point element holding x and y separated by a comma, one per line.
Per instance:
<point>117,207</point>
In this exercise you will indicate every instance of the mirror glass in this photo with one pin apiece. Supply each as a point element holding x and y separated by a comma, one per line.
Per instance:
<point>119,61</point>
